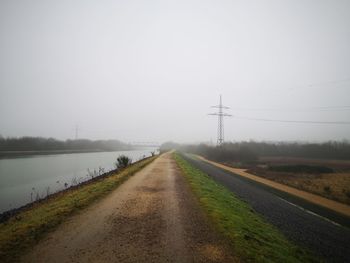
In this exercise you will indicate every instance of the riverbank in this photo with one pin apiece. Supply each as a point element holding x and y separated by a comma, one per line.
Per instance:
<point>24,229</point>
<point>26,179</point>
<point>13,212</point>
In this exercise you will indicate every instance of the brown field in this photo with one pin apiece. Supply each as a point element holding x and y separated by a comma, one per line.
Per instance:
<point>335,186</point>
<point>341,165</point>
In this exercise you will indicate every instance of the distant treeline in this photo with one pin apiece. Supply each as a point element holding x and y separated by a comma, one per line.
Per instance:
<point>51,144</point>
<point>250,151</point>
<point>227,152</point>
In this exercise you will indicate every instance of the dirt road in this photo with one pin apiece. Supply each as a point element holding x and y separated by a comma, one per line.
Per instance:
<point>152,217</point>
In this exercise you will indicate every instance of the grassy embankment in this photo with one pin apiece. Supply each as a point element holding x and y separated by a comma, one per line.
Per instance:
<point>25,229</point>
<point>251,237</point>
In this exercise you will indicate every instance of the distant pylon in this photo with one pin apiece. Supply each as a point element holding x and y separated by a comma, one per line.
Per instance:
<point>76,131</point>
<point>221,114</point>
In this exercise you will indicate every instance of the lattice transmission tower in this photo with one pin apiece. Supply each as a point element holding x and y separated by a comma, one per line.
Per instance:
<point>221,114</point>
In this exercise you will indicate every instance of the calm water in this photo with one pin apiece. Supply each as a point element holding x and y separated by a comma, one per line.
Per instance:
<point>21,179</point>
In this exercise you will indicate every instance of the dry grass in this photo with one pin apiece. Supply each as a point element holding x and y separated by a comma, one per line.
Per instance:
<point>335,186</point>
<point>337,164</point>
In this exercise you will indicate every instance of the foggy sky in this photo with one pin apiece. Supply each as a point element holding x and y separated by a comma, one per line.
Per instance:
<point>150,70</point>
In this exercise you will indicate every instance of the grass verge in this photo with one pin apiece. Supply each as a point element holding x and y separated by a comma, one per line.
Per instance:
<point>251,237</point>
<point>25,229</point>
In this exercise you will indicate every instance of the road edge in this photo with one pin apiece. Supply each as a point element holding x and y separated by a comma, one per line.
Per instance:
<point>337,216</point>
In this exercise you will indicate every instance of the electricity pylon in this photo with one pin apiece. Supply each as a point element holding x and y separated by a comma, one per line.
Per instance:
<point>76,131</point>
<point>221,114</point>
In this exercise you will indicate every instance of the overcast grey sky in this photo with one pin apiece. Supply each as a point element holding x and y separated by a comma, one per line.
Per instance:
<point>150,70</point>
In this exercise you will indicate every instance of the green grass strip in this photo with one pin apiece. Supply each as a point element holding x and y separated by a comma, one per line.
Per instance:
<point>250,236</point>
<point>25,229</point>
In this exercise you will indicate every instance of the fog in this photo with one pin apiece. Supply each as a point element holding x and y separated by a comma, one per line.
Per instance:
<point>150,70</point>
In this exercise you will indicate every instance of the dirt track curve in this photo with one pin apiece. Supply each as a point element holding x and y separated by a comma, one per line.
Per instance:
<point>152,217</point>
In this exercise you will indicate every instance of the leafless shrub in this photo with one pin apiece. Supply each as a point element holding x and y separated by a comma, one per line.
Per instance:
<point>123,162</point>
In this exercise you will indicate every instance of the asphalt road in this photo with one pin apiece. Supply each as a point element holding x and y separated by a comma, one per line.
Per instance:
<point>321,235</point>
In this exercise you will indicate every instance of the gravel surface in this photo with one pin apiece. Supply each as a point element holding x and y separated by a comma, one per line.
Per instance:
<point>152,217</point>
<point>322,236</point>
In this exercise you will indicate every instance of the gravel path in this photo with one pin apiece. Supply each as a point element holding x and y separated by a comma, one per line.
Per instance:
<point>327,239</point>
<point>152,217</point>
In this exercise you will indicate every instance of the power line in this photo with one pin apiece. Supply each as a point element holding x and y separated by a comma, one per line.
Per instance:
<point>324,108</point>
<point>322,85</point>
<point>329,82</point>
<point>334,84</point>
<point>294,121</point>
